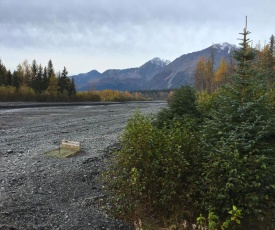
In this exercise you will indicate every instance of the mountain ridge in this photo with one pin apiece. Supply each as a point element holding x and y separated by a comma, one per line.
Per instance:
<point>180,71</point>
<point>154,74</point>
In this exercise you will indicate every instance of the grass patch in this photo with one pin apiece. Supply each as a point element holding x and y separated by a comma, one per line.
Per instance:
<point>62,153</point>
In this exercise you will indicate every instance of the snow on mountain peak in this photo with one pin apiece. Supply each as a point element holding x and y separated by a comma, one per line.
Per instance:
<point>160,62</point>
<point>225,45</point>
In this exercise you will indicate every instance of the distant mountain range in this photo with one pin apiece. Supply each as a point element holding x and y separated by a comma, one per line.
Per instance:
<point>154,74</point>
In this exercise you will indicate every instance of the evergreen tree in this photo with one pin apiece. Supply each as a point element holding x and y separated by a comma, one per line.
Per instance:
<point>182,107</point>
<point>34,69</point>
<point>211,61</point>
<point>37,78</point>
<point>53,83</point>
<point>272,45</point>
<point>271,59</point>
<point>50,69</point>
<point>184,102</point>
<point>209,75</point>
<point>3,73</point>
<point>45,80</point>
<point>239,135</point>
<point>16,80</point>
<point>9,78</point>
<point>241,112</point>
<point>63,81</point>
<point>72,90</point>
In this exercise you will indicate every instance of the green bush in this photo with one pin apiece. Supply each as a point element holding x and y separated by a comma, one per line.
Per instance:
<point>182,104</point>
<point>152,175</point>
<point>244,180</point>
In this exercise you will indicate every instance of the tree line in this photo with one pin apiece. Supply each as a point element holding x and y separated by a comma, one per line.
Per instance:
<point>32,82</point>
<point>36,82</point>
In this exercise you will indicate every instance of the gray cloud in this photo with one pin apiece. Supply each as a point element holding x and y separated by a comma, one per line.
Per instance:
<point>126,29</point>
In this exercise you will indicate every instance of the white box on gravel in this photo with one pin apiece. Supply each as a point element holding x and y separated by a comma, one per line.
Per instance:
<point>75,145</point>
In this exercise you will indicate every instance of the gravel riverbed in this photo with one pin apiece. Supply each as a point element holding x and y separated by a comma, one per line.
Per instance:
<point>42,192</point>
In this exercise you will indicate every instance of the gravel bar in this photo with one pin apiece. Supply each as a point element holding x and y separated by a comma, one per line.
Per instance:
<point>42,192</point>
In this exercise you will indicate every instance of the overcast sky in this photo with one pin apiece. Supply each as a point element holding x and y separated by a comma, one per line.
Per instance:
<point>103,34</point>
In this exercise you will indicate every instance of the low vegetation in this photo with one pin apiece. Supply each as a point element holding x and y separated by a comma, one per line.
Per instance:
<point>24,93</point>
<point>205,162</point>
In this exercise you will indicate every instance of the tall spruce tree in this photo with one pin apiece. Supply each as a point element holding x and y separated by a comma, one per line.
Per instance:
<point>16,80</point>
<point>272,45</point>
<point>63,81</point>
<point>50,69</point>
<point>39,80</point>
<point>241,113</point>
<point>271,59</point>
<point>34,70</point>
<point>72,89</point>
<point>9,78</point>
<point>239,131</point>
<point>45,79</point>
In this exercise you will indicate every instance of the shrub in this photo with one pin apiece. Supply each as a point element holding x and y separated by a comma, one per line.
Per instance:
<point>87,96</point>
<point>182,104</point>
<point>245,180</point>
<point>25,93</point>
<point>7,93</point>
<point>153,173</point>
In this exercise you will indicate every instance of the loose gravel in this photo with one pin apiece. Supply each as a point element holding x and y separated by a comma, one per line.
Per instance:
<point>42,192</point>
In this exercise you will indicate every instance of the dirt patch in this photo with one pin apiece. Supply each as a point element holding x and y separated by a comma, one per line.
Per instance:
<point>41,192</point>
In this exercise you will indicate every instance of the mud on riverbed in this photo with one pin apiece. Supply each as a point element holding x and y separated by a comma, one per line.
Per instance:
<point>41,192</point>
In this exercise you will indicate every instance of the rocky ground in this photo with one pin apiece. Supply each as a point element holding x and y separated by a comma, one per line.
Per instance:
<point>42,192</point>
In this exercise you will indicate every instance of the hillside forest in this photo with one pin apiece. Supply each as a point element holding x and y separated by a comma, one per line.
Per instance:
<point>208,160</point>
